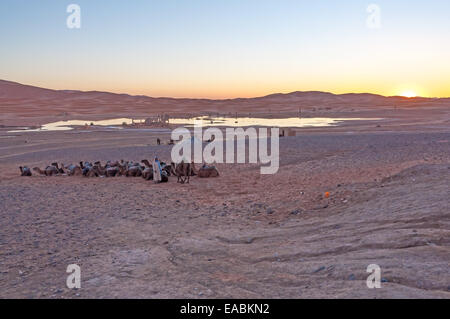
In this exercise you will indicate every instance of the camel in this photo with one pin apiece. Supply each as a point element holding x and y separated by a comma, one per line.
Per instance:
<point>92,171</point>
<point>112,171</point>
<point>133,170</point>
<point>60,169</point>
<point>85,167</point>
<point>147,173</point>
<point>89,170</point>
<point>49,171</point>
<point>108,170</point>
<point>182,171</point>
<point>101,170</point>
<point>122,170</point>
<point>207,171</point>
<point>25,171</point>
<point>166,168</point>
<point>116,168</point>
<point>112,164</point>
<point>164,177</point>
<point>74,170</point>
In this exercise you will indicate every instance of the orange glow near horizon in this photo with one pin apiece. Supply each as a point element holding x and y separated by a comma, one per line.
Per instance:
<point>243,89</point>
<point>230,86</point>
<point>409,94</point>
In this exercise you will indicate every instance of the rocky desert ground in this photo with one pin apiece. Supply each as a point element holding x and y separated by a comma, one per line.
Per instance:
<point>242,235</point>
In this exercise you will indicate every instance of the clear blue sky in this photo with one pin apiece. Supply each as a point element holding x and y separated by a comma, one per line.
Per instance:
<point>226,48</point>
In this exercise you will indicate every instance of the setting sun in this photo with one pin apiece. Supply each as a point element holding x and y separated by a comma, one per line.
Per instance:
<point>408,94</point>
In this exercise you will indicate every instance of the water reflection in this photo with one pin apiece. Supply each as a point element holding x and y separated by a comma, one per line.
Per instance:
<point>68,125</point>
<point>117,123</point>
<point>294,122</point>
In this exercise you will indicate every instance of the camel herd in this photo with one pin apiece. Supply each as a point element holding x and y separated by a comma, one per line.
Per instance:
<point>144,169</point>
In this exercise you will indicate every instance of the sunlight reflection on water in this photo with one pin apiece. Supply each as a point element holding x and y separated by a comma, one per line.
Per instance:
<point>294,122</point>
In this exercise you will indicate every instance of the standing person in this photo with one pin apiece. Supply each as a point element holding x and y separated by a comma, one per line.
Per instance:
<point>157,171</point>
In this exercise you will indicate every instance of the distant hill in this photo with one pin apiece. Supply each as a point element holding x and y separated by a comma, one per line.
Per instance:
<point>25,100</point>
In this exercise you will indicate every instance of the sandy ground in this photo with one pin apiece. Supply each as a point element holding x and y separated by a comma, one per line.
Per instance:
<point>241,235</point>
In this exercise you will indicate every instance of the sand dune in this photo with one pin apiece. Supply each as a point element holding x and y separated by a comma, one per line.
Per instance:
<point>32,105</point>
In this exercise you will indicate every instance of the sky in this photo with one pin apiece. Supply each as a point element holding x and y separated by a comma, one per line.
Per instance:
<point>229,48</point>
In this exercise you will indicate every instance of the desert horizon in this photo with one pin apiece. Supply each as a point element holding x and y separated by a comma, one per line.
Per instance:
<point>68,90</point>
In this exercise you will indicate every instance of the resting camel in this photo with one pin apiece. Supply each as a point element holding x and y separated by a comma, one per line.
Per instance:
<point>112,171</point>
<point>164,177</point>
<point>108,170</point>
<point>92,172</point>
<point>89,170</point>
<point>147,173</point>
<point>60,169</point>
<point>133,170</point>
<point>25,171</point>
<point>166,168</point>
<point>182,171</point>
<point>207,171</point>
<point>49,171</point>
<point>112,164</point>
<point>85,167</point>
<point>74,170</point>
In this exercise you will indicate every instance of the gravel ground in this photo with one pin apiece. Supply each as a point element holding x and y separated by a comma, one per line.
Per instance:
<point>241,235</point>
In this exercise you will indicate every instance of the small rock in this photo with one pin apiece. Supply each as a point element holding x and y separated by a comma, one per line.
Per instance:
<point>250,240</point>
<point>319,269</point>
<point>270,211</point>
<point>296,212</point>
<point>352,277</point>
